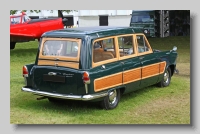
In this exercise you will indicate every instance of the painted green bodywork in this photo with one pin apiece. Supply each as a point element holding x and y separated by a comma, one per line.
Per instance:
<point>29,79</point>
<point>74,85</point>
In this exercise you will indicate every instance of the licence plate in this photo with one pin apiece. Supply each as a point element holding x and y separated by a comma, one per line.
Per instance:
<point>55,78</point>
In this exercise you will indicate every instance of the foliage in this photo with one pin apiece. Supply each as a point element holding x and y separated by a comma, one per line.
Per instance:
<point>36,11</point>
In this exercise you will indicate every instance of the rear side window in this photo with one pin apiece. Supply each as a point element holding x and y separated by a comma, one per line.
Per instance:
<point>104,50</point>
<point>126,46</point>
<point>60,48</point>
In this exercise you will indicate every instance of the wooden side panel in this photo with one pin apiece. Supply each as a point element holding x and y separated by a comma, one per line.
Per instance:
<point>107,82</point>
<point>131,75</point>
<point>150,70</point>
<point>128,76</point>
<point>162,67</point>
<point>59,63</point>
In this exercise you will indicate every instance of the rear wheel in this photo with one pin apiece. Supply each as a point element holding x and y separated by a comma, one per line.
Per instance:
<point>12,45</point>
<point>166,78</point>
<point>111,101</point>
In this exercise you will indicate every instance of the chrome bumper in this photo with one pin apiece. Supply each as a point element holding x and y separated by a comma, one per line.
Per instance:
<point>66,96</point>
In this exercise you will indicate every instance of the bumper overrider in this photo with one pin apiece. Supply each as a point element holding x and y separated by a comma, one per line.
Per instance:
<point>66,96</point>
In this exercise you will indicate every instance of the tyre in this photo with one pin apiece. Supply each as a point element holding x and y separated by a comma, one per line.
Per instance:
<point>111,101</point>
<point>166,78</point>
<point>12,45</point>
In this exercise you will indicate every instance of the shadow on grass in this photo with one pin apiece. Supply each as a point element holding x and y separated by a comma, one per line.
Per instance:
<point>62,106</point>
<point>78,107</point>
<point>140,92</point>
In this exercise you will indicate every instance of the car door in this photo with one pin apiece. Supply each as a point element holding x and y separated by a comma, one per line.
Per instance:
<point>106,70</point>
<point>131,67</point>
<point>150,64</point>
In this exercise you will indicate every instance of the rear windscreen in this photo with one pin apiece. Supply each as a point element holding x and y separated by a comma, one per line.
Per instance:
<point>64,48</point>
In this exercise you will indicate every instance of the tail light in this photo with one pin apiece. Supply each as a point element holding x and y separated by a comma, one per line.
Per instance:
<point>86,78</point>
<point>25,71</point>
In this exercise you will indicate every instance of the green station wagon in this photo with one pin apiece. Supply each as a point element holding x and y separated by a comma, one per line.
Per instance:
<point>96,64</point>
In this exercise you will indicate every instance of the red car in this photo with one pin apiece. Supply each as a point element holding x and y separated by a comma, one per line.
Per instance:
<point>24,29</point>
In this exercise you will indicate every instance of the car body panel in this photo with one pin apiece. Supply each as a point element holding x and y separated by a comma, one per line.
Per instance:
<point>63,82</point>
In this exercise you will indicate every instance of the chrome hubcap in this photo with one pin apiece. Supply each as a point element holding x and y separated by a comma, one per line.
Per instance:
<point>166,77</point>
<point>112,96</point>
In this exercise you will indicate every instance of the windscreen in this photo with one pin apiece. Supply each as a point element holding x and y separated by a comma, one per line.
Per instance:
<point>15,20</point>
<point>142,18</point>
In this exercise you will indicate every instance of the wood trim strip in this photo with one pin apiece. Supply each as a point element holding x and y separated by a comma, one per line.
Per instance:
<point>131,75</point>
<point>144,53</point>
<point>59,63</point>
<point>107,82</point>
<point>128,56</point>
<point>162,67</point>
<point>150,70</point>
<point>103,62</point>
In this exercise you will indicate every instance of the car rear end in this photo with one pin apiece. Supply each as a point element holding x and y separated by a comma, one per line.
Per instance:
<point>56,68</point>
<point>57,72</point>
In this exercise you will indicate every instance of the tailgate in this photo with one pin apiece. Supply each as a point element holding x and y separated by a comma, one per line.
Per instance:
<point>55,79</point>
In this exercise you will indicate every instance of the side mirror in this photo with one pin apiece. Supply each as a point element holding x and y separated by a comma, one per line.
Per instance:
<point>174,48</point>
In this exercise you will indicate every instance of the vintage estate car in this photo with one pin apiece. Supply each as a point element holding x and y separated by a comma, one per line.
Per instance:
<point>96,64</point>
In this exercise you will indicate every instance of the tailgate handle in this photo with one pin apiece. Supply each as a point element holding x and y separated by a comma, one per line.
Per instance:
<point>52,73</point>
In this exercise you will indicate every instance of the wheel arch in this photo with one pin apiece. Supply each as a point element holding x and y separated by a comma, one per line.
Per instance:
<point>172,68</point>
<point>121,88</point>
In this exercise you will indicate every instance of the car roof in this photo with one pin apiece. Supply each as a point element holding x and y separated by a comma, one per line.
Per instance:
<point>89,30</point>
<point>97,31</point>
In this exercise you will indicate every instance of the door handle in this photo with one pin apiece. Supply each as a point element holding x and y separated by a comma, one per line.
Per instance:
<point>103,67</point>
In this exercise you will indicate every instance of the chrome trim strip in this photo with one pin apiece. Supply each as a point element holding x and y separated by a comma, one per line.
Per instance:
<point>86,88</point>
<point>66,96</point>
<point>52,73</point>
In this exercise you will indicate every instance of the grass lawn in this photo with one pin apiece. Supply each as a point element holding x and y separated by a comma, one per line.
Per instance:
<point>152,105</point>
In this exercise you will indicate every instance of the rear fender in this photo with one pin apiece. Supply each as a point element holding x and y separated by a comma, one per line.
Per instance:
<point>27,79</point>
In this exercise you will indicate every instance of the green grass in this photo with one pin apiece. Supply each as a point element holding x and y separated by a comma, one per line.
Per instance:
<point>152,105</point>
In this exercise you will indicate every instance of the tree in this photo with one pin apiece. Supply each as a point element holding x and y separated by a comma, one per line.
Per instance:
<point>37,11</point>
